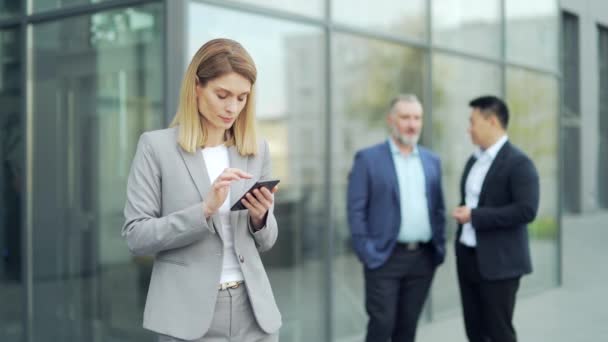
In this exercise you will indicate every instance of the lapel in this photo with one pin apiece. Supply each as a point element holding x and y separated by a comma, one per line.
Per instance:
<point>465,174</point>
<point>428,171</point>
<point>391,171</point>
<point>496,165</point>
<point>237,188</point>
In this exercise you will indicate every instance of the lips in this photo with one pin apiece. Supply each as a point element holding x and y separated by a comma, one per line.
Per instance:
<point>226,120</point>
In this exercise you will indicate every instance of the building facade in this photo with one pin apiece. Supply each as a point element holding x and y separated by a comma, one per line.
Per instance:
<point>80,80</point>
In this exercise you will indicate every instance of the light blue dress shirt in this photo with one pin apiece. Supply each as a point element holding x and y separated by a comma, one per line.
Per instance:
<point>415,223</point>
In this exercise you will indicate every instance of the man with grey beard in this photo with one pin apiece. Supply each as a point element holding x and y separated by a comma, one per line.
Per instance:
<point>397,220</point>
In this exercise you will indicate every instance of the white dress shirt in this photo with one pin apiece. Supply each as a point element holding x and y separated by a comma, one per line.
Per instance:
<point>473,185</point>
<point>216,160</point>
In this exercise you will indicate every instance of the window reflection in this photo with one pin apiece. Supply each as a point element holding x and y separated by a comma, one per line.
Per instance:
<point>367,74</point>
<point>11,187</point>
<point>45,5</point>
<point>533,127</point>
<point>291,115</point>
<point>399,18</point>
<point>532,33</point>
<point>471,26</point>
<point>456,81</point>
<point>10,8</point>
<point>96,87</point>
<point>312,8</point>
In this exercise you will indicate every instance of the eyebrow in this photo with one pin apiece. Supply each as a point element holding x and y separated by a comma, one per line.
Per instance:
<point>229,92</point>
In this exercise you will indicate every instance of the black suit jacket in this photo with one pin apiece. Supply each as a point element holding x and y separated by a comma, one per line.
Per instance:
<point>508,202</point>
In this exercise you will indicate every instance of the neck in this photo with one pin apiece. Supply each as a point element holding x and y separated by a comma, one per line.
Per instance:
<point>405,149</point>
<point>215,138</point>
<point>494,139</point>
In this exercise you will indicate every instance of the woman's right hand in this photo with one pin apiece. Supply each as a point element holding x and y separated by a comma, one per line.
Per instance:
<point>220,188</point>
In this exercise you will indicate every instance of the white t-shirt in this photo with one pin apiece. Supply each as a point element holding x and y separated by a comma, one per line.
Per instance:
<point>216,160</point>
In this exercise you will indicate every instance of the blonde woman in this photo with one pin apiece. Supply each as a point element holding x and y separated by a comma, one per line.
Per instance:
<point>208,281</point>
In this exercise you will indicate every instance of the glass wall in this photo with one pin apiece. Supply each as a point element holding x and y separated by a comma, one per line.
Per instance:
<point>45,5</point>
<point>11,187</point>
<point>291,116</point>
<point>532,33</point>
<point>366,75</point>
<point>456,81</point>
<point>533,127</point>
<point>311,8</point>
<point>327,70</point>
<point>403,19</point>
<point>10,8</point>
<point>473,27</point>
<point>571,114</point>
<point>603,116</point>
<point>96,87</point>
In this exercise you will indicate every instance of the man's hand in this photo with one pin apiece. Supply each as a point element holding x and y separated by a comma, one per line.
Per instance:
<point>462,214</point>
<point>259,202</point>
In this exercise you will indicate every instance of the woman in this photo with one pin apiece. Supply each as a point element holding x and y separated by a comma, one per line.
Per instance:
<point>208,281</point>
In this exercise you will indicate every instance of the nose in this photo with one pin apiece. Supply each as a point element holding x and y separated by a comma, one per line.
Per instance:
<point>232,107</point>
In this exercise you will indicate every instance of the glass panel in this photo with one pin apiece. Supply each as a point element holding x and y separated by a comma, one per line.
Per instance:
<point>291,116</point>
<point>571,108</point>
<point>311,8</point>
<point>533,127</point>
<point>96,87</point>
<point>471,26</point>
<point>532,32</point>
<point>570,66</point>
<point>11,187</point>
<point>367,75</point>
<point>456,81</point>
<point>603,117</point>
<point>10,8</point>
<point>45,5</point>
<point>399,18</point>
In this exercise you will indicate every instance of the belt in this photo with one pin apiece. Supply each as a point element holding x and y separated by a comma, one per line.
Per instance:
<point>230,285</point>
<point>412,246</point>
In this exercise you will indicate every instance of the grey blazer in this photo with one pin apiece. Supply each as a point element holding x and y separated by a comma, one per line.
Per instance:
<point>164,218</point>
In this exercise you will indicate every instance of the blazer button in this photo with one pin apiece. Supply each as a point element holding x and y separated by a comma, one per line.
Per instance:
<point>241,258</point>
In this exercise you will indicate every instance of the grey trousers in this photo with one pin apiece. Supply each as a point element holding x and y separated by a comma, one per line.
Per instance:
<point>233,321</point>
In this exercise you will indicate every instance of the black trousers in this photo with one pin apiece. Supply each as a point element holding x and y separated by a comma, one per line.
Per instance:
<point>487,305</point>
<point>395,293</point>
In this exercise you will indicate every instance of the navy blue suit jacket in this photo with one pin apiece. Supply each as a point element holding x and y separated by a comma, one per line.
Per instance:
<point>374,209</point>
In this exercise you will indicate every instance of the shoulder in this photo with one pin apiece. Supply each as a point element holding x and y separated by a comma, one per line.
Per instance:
<point>429,153</point>
<point>516,154</point>
<point>373,150</point>
<point>161,137</point>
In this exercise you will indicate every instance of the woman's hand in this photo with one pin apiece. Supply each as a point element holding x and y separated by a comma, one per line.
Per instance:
<point>258,204</point>
<point>220,189</point>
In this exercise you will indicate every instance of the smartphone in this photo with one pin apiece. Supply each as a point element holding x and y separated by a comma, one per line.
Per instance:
<point>268,184</point>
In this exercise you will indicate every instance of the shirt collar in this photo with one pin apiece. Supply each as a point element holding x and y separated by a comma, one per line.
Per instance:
<point>395,149</point>
<point>492,151</point>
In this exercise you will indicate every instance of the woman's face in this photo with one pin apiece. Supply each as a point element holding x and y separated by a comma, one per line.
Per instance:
<point>222,99</point>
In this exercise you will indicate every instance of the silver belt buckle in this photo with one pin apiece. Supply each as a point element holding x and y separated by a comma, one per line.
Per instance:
<point>411,246</point>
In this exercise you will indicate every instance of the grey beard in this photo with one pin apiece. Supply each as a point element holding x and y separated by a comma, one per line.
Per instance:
<point>405,140</point>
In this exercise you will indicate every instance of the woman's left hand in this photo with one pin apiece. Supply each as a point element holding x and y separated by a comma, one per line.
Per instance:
<point>259,202</point>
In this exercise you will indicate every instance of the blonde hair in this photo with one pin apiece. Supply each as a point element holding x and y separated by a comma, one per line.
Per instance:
<point>214,59</point>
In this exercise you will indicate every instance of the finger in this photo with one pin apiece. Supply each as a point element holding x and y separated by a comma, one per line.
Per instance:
<point>239,173</point>
<point>275,189</point>
<point>259,205</point>
<point>264,197</point>
<point>253,211</point>
<point>228,176</point>
<point>267,194</point>
<point>221,184</point>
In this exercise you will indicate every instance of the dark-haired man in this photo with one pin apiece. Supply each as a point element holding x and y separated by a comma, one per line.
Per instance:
<point>499,197</point>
